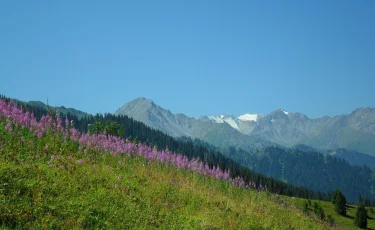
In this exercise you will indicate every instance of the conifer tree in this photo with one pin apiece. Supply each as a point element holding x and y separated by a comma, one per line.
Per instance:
<point>360,219</point>
<point>339,201</point>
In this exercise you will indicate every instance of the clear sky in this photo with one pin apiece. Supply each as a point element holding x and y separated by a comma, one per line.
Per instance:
<point>194,57</point>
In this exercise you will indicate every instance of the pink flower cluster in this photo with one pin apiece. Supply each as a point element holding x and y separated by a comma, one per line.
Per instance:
<point>110,144</point>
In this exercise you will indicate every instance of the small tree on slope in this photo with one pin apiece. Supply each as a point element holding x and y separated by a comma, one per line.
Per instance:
<point>360,219</point>
<point>339,201</point>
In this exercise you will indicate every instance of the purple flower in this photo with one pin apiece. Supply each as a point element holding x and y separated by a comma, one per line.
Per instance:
<point>80,161</point>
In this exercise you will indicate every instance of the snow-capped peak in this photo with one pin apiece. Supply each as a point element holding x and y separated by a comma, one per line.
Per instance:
<point>216,119</point>
<point>231,122</point>
<point>249,117</point>
<point>224,119</point>
<point>286,113</point>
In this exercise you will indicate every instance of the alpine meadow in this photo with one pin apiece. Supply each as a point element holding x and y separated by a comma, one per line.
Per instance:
<point>187,114</point>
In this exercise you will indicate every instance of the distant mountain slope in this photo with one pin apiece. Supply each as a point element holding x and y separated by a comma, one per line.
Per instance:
<point>354,158</point>
<point>61,109</point>
<point>320,172</point>
<point>221,134</point>
<point>354,131</point>
<point>351,156</point>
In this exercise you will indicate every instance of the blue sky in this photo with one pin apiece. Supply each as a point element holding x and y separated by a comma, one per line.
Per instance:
<point>192,57</point>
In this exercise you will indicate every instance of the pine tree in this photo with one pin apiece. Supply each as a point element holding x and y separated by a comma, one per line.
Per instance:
<point>339,201</point>
<point>360,219</point>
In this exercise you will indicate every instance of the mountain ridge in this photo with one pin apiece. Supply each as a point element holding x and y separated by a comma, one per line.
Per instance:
<point>353,131</point>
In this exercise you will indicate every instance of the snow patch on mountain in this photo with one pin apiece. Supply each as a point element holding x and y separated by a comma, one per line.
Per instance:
<point>286,113</point>
<point>216,119</point>
<point>231,122</point>
<point>249,117</point>
<point>224,119</point>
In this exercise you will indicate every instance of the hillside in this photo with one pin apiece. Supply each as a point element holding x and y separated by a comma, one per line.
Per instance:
<point>309,169</point>
<point>52,176</point>
<point>62,109</point>
<point>139,132</point>
<point>278,164</point>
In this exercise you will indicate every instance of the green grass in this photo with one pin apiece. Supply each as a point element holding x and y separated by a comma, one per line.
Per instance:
<point>35,195</point>
<point>343,222</point>
<point>125,192</point>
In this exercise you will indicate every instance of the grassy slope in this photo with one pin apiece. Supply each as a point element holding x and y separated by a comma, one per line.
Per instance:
<point>145,195</point>
<point>44,185</point>
<point>122,192</point>
<point>342,222</point>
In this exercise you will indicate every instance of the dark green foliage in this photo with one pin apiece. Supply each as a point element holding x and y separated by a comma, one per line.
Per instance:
<point>321,213</point>
<point>339,201</point>
<point>315,207</point>
<point>312,170</point>
<point>95,218</point>
<point>318,211</point>
<point>360,219</point>
<point>305,208</point>
<point>112,128</point>
<point>330,220</point>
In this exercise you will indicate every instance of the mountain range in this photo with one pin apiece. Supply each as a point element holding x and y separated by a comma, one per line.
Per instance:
<point>355,131</point>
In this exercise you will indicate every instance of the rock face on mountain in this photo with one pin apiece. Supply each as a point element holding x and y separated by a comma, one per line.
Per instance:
<point>355,131</point>
<point>220,134</point>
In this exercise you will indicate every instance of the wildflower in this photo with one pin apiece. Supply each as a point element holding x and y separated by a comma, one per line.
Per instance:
<point>53,157</point>
<point>119,177</point>
<point>37,156</point>
<point>116,186</point>
<point>66,121</point>
<point>80,161</point>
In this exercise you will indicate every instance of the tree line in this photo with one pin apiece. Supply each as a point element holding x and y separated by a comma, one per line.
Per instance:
<point>313,170</point>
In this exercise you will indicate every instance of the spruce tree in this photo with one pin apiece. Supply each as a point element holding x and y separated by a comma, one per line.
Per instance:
<point>360,219</point>
<point>339,201</point>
